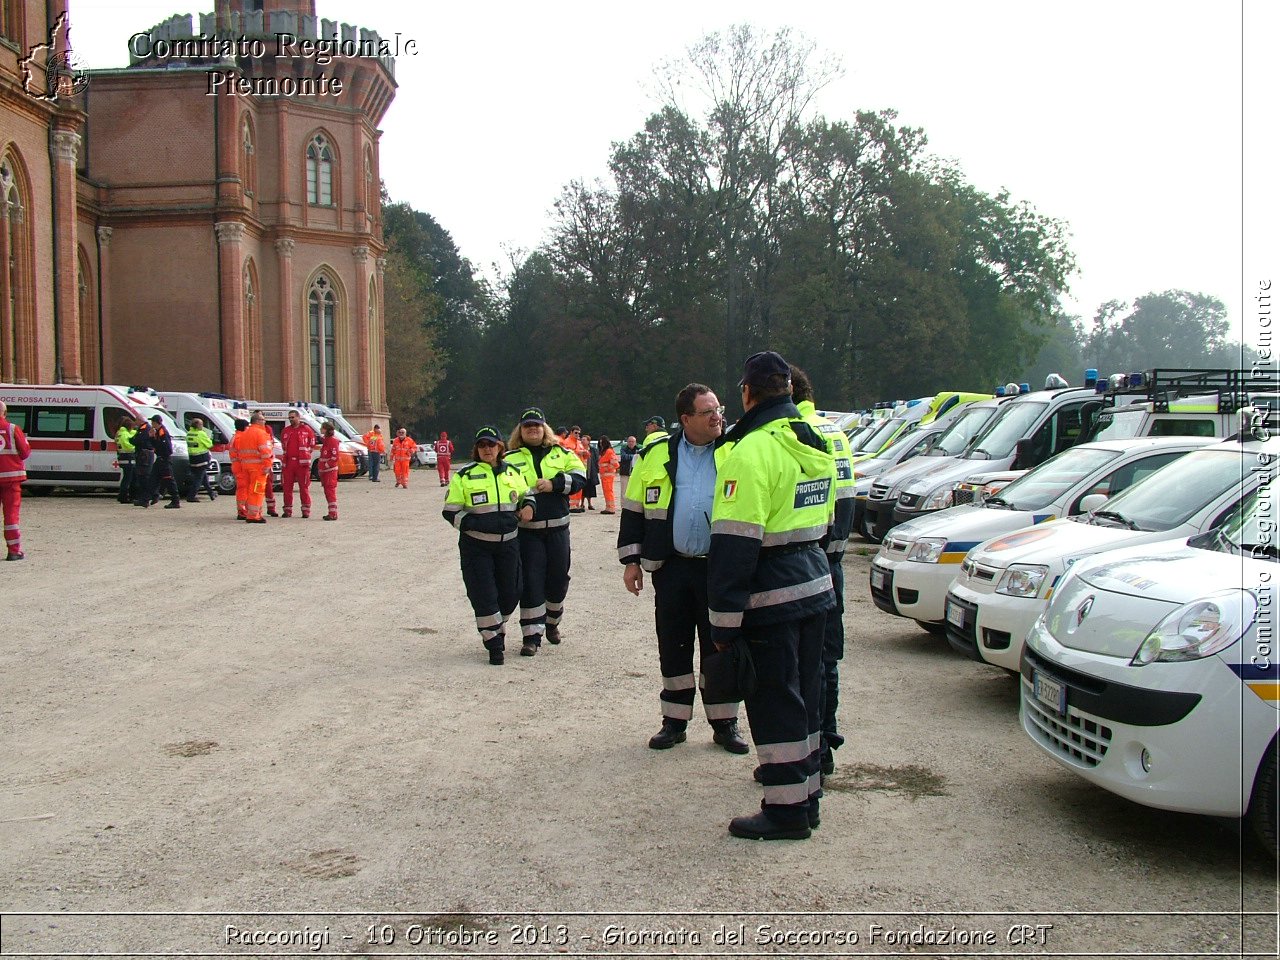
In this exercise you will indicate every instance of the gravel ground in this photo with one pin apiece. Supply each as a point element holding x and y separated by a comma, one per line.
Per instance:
<point>228,740</point>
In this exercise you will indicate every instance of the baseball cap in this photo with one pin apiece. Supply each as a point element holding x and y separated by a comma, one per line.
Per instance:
<point>532,415</point>
<point>488,433</point>
<point>761,366</point>
<point>657,422</point>
<point>157,419</point>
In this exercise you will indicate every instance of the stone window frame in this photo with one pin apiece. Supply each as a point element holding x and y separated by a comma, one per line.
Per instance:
<point>325,354</point>
<point>318,144</point>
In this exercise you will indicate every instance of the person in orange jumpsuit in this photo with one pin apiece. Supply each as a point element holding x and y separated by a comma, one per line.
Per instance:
<point>254,447</point>
<point>328,467</point>
<point>582,450</point>
<point>14,449</point>
<point>376,444</point>
<point>403,447</point>
<point>270,491</point>
<point>444,457</point>
<point>237,471</point>
<point>608,473</point>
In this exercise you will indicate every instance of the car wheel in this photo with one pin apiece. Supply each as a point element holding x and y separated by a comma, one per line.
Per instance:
<point>226,482</point>
<point>937,629</point>
<point>1264,806</point>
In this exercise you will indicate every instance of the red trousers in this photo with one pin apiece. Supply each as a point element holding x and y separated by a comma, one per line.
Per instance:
<point>329,481</point>
<point>11,499</point>
<point>299,473</point>
<point>442,468</point>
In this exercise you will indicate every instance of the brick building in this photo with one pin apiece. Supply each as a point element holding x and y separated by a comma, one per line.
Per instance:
<point>227,232</point>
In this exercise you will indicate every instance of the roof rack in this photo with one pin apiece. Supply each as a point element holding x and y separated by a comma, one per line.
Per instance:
<point>1231,388</point>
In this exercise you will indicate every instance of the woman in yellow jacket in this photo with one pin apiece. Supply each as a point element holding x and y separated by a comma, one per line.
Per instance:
<point>485,502</point>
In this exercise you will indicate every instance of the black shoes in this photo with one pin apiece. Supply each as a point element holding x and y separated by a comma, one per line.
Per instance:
<point>529,650</point>
<point>16,555</point>
<point>828,763</point>
<point>497,658</point>
<point>814,819</point>
<point>553,634</point>
<point>172,505</point>
<point>762,826</point>
<point>729,738</point>
<point>272,513</point>
<point>667,737</point>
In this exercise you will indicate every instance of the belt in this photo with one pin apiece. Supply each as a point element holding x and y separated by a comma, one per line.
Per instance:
<point>691,556</point>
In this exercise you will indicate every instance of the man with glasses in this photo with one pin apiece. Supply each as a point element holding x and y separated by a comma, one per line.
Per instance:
<point>666,529</point>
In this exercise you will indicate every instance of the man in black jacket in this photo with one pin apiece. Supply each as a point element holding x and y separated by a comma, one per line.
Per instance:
<point>162,472</point>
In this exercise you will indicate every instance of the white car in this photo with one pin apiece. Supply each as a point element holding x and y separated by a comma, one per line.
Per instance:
<point>1004,584</point>
<point>920,558</point>
<point>426,455</point>
<point>1154,672</point>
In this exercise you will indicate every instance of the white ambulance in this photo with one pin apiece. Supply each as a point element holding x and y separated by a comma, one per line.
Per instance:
<point>72,431</point>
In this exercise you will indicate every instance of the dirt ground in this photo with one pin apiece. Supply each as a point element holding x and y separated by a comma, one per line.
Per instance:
<point>228,740</point>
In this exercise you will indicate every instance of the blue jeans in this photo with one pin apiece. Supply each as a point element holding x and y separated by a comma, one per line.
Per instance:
<point>375,463</point>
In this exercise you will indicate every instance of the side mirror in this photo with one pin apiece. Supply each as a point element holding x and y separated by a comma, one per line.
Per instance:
<point>1092,502</point>
<point>1024,455</point>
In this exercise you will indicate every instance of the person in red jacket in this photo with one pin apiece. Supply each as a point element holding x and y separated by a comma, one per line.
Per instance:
<point>329,469</point>
<point>298,441</point>
<point>14,449</point>
<point>444,456</point>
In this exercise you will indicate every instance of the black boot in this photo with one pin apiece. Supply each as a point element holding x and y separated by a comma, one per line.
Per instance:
<point>773,823</point>
<point>553,633</point>
<point>727,736</point>
<point>666,738</point>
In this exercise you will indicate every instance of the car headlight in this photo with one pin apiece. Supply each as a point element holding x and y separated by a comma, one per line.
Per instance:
<point>1023,580</point>
<point>939,499</point>
<point>1199,629</point>
<point>927,549</point>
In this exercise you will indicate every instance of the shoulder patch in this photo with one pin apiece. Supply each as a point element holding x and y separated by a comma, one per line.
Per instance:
<point>730,490</point>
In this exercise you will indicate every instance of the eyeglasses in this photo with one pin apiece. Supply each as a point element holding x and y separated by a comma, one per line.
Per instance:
<point>486,443</point>
<point>714,412</point>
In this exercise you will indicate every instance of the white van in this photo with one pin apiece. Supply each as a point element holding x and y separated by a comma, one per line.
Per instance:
<point>347,433</point>
<point>72,431</point>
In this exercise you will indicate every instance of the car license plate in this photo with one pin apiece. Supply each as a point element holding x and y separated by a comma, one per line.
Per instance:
<point>877,579</point>
<point>1049,692</point>
<point>955,614</point>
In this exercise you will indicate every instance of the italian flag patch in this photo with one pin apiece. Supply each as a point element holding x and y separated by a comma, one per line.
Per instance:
<point>730,488</point>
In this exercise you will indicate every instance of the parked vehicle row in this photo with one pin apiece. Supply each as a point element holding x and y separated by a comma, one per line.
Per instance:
<point>1128,580</point>
<point>72,430</point>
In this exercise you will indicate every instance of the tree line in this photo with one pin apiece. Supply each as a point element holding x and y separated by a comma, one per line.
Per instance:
<point>738,220</point>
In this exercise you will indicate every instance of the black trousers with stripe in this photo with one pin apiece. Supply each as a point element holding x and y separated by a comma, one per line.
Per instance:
<point>832,654</point>
<point>491,574</point>
<point>785,713</point>
<point>544,556</point>
<point>681,614</point>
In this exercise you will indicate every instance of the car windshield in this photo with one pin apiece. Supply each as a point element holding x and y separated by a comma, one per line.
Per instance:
<point>1003,433</point>
<point>169,423</point>
<point>343,427</point>
<point>1251,529</point>
<point>957,436</point>
<point>875,438</point>
<point>905,445</point>
<point>1170,497</point>
<point>1040,487</point>
<point>1119,424</point>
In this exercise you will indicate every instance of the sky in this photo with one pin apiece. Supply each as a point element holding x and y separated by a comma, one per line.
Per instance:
<point>1147,125</point>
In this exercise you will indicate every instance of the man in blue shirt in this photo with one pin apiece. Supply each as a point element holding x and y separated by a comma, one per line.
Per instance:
<point>665,529</point>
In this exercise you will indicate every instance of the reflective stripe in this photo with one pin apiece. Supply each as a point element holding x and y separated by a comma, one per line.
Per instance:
<point>531,629</point>
<point>720,711</point>
<point>787,793</point>
<point>627,551</point>
<point>815,783</point>
<point>656,514</point>
<point>651,565</point>
<point>489,633</point>
<point>771,598</point>
<point>815,741</point>
<point>677,711</point>
<point>738,528</point>
<point>791,752</point>
<point>729,620</point>
<point>635,506</point>
<point>836,548</point>
<point>490,537</point>
<point>489,620</point>
<point>544,524</point>
<point>800,535</point>
<point>682,682</point>
<point>485,508</point>
<point>13,475</point>
<point>528,613</point>
<point>845,493</point>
